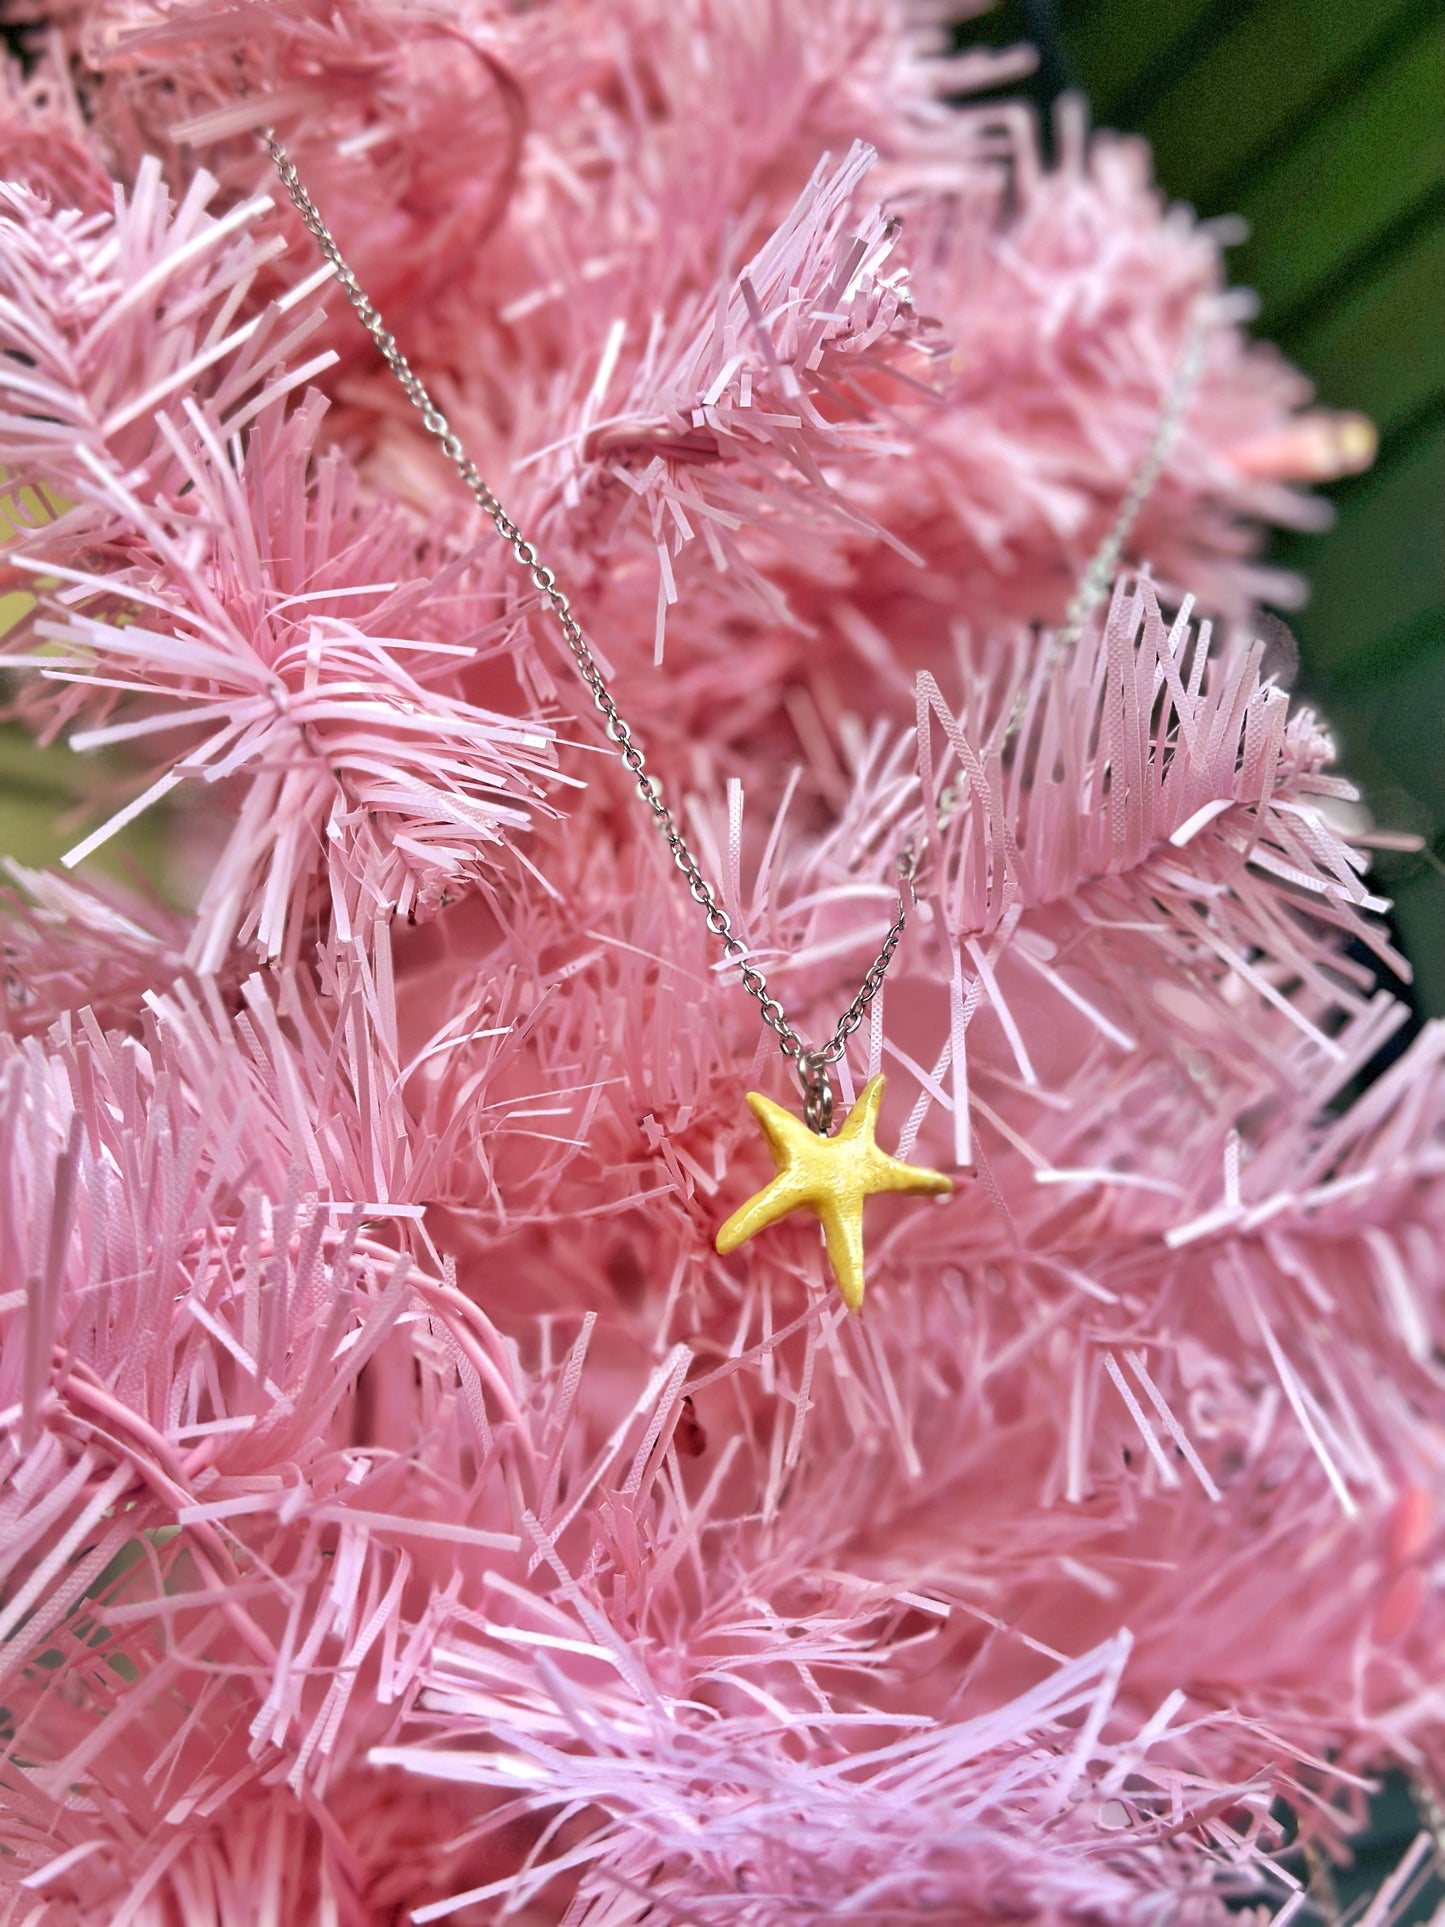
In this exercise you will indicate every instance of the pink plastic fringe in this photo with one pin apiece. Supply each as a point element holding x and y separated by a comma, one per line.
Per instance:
<point>405,1513</point>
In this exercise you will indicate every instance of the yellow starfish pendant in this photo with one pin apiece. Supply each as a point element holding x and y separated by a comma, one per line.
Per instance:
<point>830,1176</point>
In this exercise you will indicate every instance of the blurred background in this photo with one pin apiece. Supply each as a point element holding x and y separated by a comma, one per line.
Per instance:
<point>1321,123</point>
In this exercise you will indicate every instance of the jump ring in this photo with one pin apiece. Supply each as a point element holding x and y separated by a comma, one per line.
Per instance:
<point>812,1068</point>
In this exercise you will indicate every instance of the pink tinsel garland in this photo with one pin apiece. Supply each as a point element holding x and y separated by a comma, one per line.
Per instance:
<point>405,1513</point>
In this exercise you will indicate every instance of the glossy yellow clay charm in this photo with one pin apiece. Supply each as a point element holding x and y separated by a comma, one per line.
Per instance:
<point>830,1176</point>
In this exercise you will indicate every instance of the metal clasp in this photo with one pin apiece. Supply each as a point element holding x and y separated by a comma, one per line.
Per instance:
<point>817,1091</point>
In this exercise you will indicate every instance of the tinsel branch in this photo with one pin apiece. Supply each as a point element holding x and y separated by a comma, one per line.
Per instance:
<point>405,1513</point>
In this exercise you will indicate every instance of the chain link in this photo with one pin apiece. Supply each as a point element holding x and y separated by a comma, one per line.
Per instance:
<point>810,1064</point>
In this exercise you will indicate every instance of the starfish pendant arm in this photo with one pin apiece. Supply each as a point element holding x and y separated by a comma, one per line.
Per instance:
<point>830,1177</point>
<point>843,1237</point>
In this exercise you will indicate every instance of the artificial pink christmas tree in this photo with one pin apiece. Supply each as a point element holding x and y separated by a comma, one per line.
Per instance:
<point>408,1513</point>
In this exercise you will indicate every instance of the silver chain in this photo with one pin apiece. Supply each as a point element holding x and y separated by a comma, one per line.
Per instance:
<point>811,1064</point>
<point>1098,577</point>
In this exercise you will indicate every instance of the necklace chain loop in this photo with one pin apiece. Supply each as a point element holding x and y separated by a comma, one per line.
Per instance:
<point>811,1065</point>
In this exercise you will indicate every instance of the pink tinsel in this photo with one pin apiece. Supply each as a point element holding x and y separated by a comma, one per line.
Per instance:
<point>406,1514</point>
